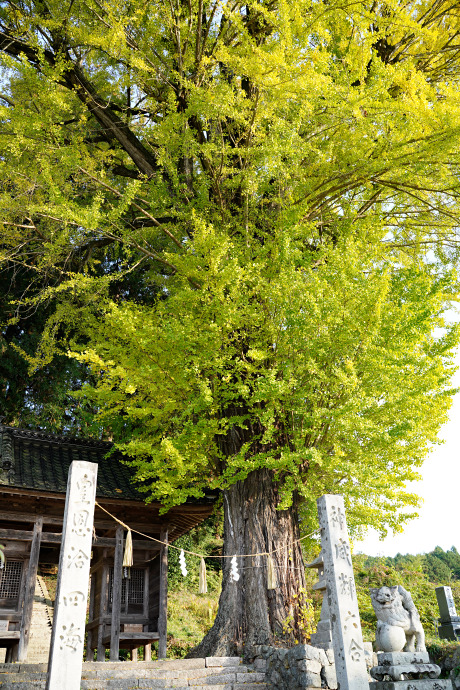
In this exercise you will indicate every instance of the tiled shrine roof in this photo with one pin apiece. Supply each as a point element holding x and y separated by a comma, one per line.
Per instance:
<point>40,461</point>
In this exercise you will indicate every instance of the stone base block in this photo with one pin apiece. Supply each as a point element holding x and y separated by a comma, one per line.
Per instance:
<point>449,631</point>
<point>408,670</point>
<point>402,658</point>
<point>425,684</point>
<point>329,676</point>
<point>222,661</point>
<point>321,645</point>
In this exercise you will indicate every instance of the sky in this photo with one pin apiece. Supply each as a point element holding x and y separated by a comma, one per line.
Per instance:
<point>439,516</point>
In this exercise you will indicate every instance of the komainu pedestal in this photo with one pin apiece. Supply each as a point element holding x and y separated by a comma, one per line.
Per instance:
<point>397,666</point>
<point>407,671</point>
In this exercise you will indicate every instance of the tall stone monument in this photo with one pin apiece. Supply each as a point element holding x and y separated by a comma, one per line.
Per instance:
<point>450,622</point>
<point>347,639</point>
<point>66,651</point>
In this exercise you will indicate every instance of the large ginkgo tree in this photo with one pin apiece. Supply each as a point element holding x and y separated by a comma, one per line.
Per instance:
<point>280,184</point>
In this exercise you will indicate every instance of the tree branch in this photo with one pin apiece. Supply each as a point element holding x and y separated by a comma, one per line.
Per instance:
<point>114,129</point>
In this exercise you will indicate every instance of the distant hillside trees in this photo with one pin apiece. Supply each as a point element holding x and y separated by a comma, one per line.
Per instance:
<point>438,565</point>
<point>420,574</point>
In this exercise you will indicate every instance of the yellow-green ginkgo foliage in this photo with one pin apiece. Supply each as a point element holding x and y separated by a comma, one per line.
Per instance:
<point>244,216</point>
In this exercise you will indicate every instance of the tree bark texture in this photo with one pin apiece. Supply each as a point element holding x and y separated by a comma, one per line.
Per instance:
<point>250,614</point>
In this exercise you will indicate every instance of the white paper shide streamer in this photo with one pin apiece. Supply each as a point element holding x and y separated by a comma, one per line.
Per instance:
<point>234,574</point>
<point>182,563</point>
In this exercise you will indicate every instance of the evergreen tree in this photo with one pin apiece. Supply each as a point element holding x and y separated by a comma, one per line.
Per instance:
<point>436,569</point>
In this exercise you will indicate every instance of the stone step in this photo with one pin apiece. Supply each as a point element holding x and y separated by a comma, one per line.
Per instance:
<point>146,683</point>
<point>160,673</point>
<point>123,684</point>
<point>21,683</point>
<point>164,664</point>
<point>17,677</point>
<point>213,673</point>
<point>230,679</point>
<point>23,668</point>
<point>130,670</point>
<point>216,680</point>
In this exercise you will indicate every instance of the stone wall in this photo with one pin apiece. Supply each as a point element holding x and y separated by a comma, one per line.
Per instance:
<point>447,656</point>
<point>302,666</point>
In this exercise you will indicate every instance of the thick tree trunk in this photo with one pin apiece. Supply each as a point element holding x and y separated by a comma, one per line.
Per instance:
<point>250,614</point>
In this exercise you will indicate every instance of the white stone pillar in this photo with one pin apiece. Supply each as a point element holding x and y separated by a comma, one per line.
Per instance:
<point>347,639</point>
<point>67,639</point>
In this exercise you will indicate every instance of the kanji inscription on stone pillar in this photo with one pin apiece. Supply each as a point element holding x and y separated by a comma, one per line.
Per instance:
<point>66,651</point>
<point>347,637</point>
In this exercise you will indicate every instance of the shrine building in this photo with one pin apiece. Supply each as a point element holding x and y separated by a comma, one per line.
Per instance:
<point>33,478</point>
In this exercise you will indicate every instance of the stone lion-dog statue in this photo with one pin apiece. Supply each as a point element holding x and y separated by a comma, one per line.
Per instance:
<point>398,621</point>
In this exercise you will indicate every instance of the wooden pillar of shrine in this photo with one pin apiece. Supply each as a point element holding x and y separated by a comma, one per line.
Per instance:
<point>116,596</point>
<point>163,603</point>
<point>31,580</point>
